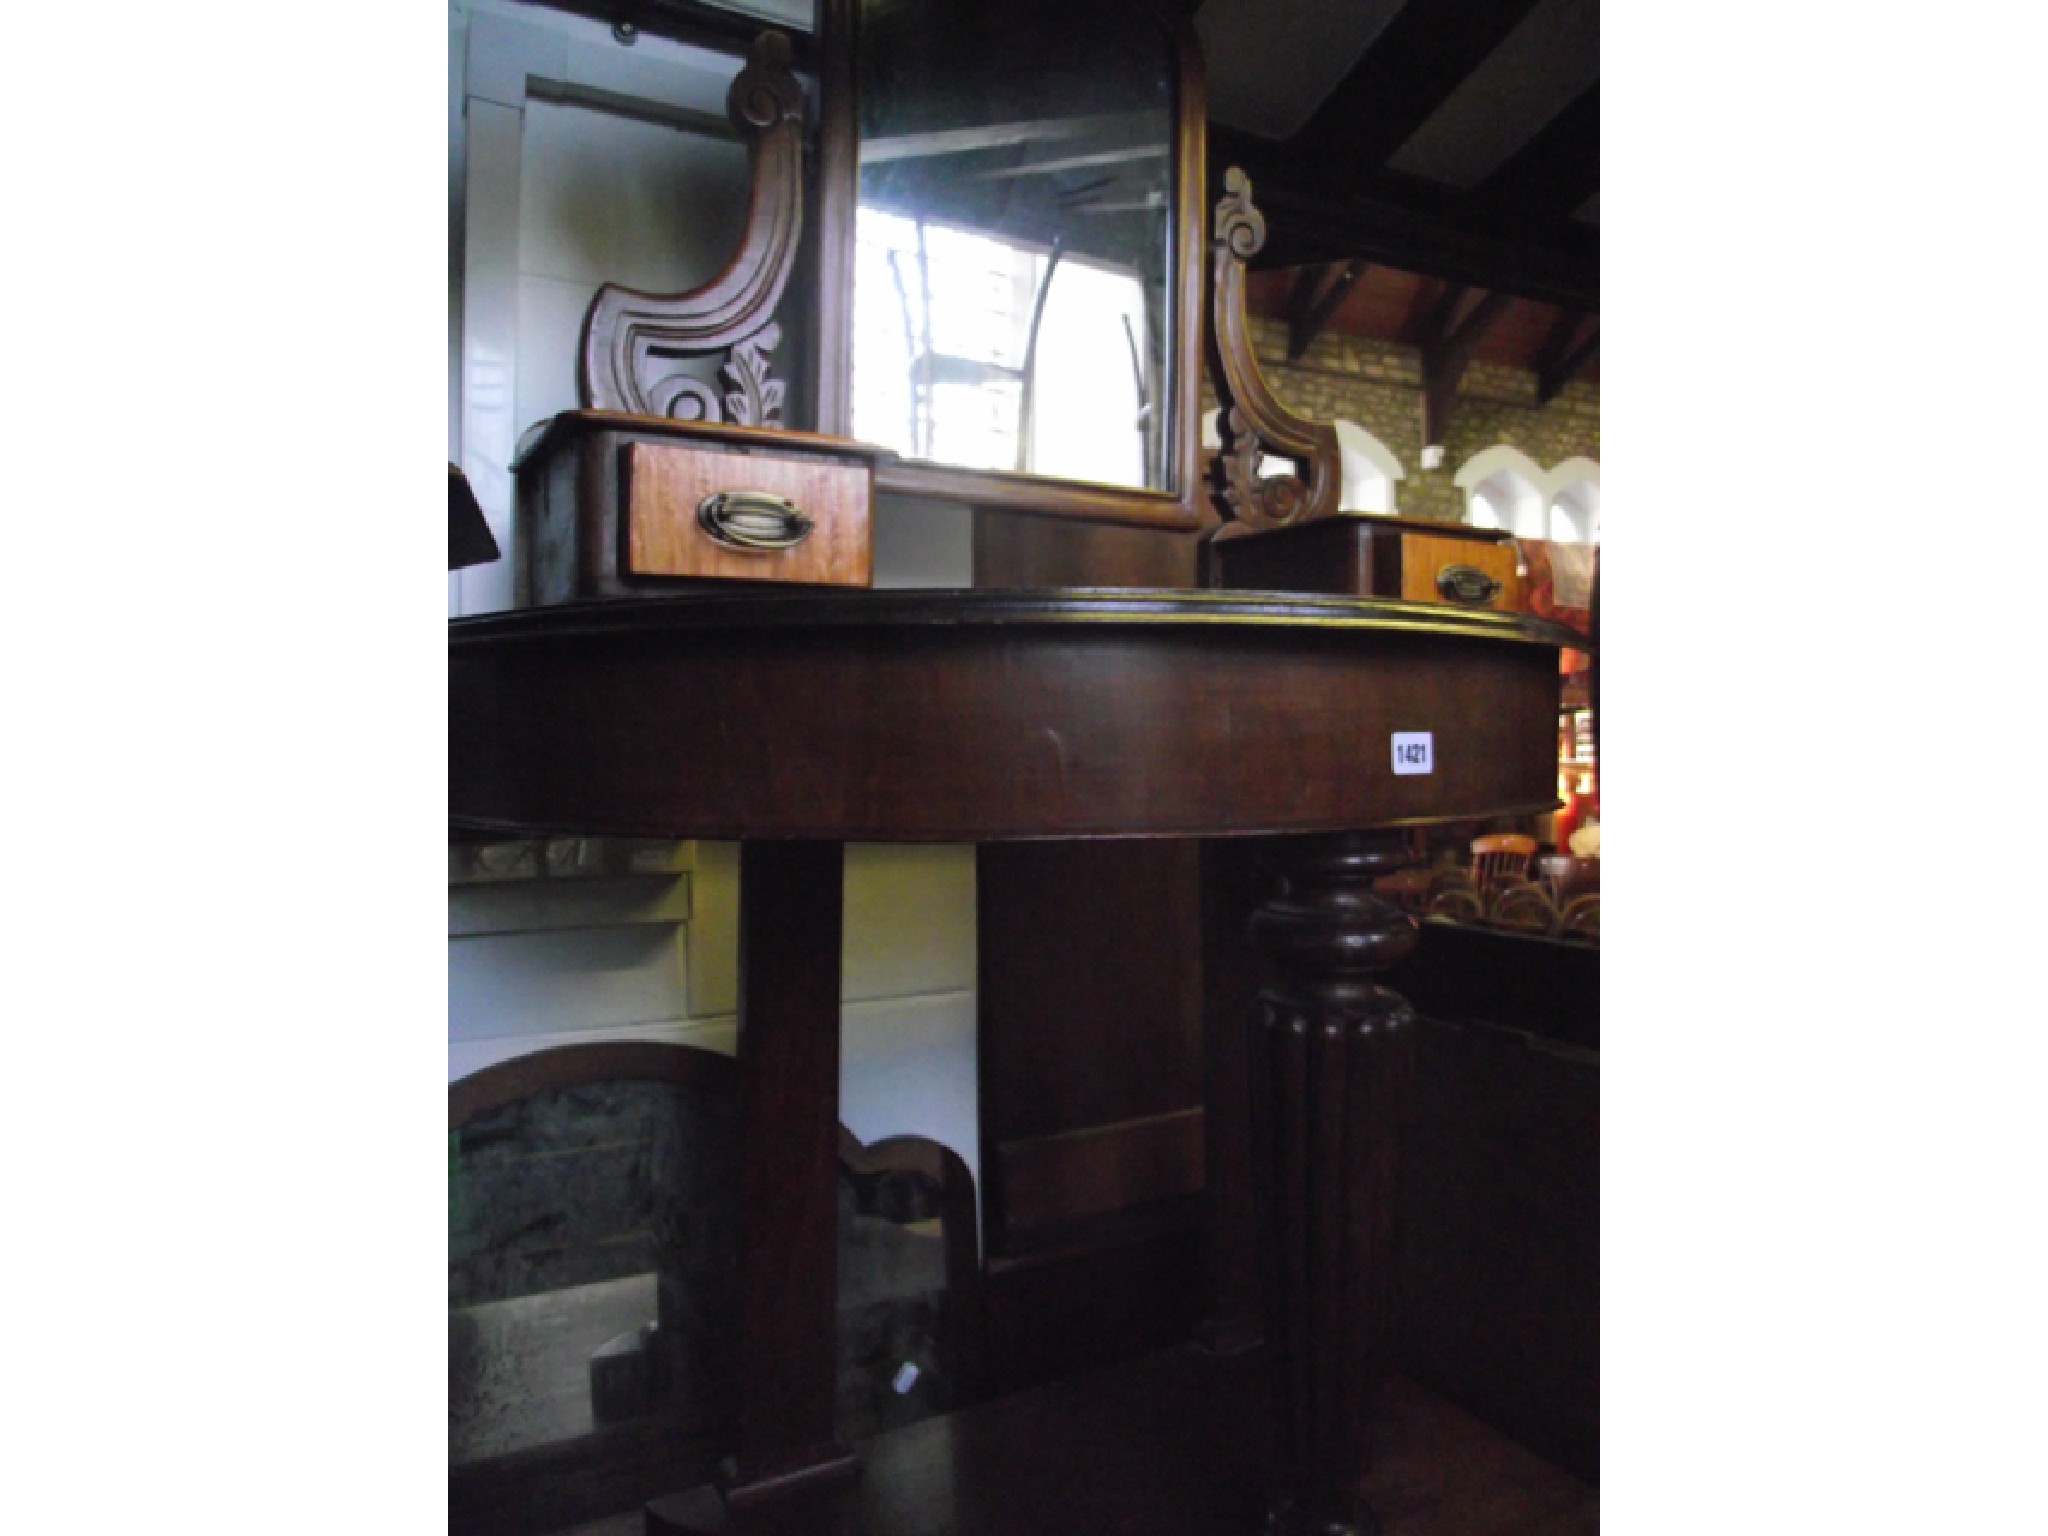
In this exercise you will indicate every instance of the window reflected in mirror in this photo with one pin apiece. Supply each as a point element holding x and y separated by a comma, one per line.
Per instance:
<point>1012,238</point>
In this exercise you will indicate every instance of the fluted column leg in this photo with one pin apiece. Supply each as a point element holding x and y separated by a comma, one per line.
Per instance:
<point>1331,1054</point>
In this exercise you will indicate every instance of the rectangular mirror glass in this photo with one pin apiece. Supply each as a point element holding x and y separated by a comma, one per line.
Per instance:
<point>1012,302</point>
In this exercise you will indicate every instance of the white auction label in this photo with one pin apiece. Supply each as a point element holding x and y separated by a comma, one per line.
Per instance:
<point>1414,752</point>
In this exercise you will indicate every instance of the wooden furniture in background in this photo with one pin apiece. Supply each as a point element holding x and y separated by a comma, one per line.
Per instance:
<point>937,716</point>
<point>1523,906</point>
<point>1500,859</point>
<point>1580,917</point>
<point>1500,1274</point>
<point>1459,903</point>
<point>1374,556</point>
<point>874,1167</point>
<point>1566,877</point>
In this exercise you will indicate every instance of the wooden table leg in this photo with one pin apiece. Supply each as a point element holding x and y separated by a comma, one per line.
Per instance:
<point>791,908</point>
<point>1330,1057</point>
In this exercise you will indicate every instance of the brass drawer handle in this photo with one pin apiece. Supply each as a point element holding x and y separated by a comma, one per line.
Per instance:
<point>1466,584</point>
<point>753,522</point>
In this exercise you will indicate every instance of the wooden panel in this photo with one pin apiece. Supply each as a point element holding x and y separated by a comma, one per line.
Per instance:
<point>1100,1168</point>
<point>1087,1016</point>
<point>1499,1294</point>
<point>1328,554</point>
<point>1088,1023</point>
<point>1111,1288</point>
<point>1463,973</point>
<point>665,482</point>
<point>1501,1272</point>
<point>1424,554</point>
<point>1013,549</point>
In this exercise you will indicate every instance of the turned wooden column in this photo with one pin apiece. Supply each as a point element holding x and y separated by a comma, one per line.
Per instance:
<point>1330,1057</point>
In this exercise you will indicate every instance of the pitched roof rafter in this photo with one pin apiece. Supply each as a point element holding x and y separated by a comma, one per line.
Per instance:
<point>1317,293</point>
<point>1449,351</point>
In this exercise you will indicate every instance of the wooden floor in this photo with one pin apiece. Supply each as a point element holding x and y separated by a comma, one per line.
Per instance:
<point>1169,1445</point>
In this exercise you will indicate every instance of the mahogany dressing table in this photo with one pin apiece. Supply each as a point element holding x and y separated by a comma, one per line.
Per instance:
<point>796,721</point>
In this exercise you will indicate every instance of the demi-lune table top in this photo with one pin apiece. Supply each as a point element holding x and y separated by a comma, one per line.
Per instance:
<point>952,716</point>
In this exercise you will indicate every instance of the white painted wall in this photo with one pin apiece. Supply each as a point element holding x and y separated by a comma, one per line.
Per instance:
<point>1370,470</point>
<point>548,199</point>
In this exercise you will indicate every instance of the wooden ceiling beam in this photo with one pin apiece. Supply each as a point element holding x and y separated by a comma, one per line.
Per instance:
<point>1309,220</point>
<point>1446,356</point>
<point>1315,301</point>
<point>1551,175</point>
<point>1309,281</point>
<point>1436,326</point>
<point>1564,330</point>
<point>1427,311</point>
<point>1419,58</point>
<point>1553,375</point>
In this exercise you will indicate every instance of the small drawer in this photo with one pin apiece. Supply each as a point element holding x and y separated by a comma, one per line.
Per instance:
<point>1376,556</point>
<point>1463,572</point>
<point>672,518</point>
<point>613,506</point>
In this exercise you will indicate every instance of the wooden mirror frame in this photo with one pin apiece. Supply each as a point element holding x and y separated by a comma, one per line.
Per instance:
<point>1181,507</point>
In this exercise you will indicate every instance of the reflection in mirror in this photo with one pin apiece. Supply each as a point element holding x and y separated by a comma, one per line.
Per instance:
<point>591,1229</point>
<point>1013,237</point>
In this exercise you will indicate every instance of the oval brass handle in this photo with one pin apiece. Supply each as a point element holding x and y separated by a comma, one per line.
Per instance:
<point>1466,584</point>
<point>753,522</point>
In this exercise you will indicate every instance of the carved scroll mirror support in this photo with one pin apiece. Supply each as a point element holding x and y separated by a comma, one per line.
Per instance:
<point>1251,420</point>
<point>632,340</point>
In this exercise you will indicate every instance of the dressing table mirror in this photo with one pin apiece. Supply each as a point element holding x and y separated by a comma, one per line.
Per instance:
<point>1011,210</point>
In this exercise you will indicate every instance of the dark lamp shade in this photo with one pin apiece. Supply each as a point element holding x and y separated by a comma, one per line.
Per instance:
<point>469,536</point>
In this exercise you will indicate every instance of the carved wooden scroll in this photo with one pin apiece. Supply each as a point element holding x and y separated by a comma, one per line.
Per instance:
<point>631,340</point>
<point>1251,421</point>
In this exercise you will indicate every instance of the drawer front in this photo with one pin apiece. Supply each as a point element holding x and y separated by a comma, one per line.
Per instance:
<point>1424,556</point>
<point>666,483</point>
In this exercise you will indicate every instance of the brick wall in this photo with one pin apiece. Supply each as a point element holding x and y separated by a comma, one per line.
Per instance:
<point>1379,385</point>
